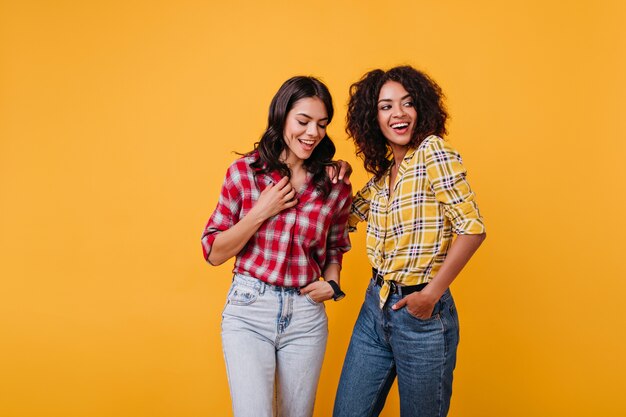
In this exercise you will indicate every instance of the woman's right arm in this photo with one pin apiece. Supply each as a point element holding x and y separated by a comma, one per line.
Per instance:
<point>272,200</point>
<point>360,208</point>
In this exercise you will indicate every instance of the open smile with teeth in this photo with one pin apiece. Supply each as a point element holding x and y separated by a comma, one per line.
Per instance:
<point>307,143</point>
<point>400,126</point>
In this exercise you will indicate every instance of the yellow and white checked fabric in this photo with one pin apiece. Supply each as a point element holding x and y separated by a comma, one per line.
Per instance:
<point>408,236</point>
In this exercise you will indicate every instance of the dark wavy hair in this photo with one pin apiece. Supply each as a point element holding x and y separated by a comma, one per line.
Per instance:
<point>272,142</point>
<point>362,118</point>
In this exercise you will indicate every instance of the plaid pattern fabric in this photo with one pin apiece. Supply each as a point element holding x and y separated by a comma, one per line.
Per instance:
<point>292,248</point>
<point>408,237</point>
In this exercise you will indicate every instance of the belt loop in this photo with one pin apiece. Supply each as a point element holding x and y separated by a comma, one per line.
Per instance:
<point>393,288</point>
<point>262,287</point>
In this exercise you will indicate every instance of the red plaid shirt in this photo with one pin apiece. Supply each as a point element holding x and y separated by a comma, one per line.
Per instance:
<point>292,248</point>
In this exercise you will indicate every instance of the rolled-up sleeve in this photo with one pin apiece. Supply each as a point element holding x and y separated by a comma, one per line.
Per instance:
<point>338,240</point>
<point>226,214</point>
<point>447,177</point>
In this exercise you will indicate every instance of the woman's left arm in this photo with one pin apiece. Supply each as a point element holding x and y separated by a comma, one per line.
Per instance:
<point>447,178</point>
<point>422,303</point>
<point>337,243</point>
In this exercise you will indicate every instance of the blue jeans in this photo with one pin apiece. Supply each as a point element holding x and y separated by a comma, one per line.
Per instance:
<point>274,342</point>
<point>387,343</point>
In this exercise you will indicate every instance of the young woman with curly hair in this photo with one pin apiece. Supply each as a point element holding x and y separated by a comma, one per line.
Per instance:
<point>284,221</point>
<point>417,199</point>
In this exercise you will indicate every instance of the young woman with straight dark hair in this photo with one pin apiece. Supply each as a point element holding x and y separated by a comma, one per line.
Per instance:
<point>284,221</point>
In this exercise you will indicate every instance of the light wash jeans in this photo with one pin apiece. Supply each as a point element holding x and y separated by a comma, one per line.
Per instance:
<point>386,343</point>
<point>274,342</point>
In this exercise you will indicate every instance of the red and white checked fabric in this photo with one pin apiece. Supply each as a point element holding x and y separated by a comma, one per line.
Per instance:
<point>292,248</point>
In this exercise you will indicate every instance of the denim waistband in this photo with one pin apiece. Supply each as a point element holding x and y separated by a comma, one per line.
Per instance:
<point>403,290</point>
<point>262,286</point>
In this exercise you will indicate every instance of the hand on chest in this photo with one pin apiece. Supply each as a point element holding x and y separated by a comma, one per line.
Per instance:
<point>310,204</point>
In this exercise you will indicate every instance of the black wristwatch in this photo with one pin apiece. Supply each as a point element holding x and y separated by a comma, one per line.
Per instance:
<point>338,294</point>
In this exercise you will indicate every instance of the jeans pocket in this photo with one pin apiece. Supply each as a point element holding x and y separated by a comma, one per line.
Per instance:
<point>434,316</point>
<point>242,295</point>
<point>310,300</point>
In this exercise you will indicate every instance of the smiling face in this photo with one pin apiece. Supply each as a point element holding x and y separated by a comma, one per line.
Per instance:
<point>396,116</point>
<point>305,127</point>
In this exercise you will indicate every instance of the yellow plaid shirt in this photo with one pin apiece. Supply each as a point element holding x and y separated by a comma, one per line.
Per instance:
<point>408,236</point>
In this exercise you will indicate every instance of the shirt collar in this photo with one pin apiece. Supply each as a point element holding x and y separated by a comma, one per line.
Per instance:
<point>409,154</point>
<point>308,192</point>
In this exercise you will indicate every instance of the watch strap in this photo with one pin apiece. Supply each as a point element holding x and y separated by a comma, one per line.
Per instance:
<point>338,294</point>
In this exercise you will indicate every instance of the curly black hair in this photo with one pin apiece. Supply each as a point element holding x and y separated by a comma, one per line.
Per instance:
<point>272,142</point>
<point>362,118</point>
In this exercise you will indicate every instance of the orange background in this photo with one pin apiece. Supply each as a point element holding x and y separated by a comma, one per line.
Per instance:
<point>119,118</point>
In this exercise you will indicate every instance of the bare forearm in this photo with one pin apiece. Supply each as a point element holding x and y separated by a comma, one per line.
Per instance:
<point>230,242</point>
<point>459,254</point>
<point>332,272</point>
